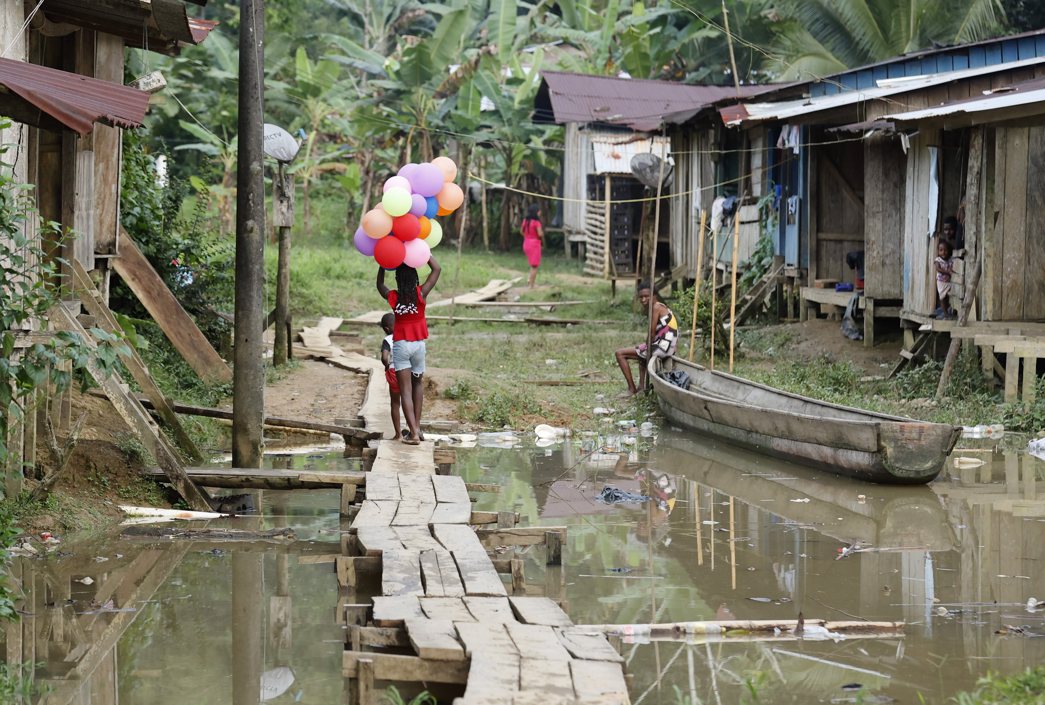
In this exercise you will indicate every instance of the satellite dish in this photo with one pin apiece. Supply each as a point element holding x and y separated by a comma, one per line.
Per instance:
<point>280,144</point>
<point>646,168</point>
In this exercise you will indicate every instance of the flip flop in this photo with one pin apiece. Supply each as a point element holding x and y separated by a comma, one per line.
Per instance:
<point>411,441</point>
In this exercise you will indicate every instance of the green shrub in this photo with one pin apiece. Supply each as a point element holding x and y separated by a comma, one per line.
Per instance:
<point>1027,688</point>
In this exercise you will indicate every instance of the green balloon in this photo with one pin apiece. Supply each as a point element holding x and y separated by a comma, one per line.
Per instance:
<point>396,202</point>
<point>436,236</point>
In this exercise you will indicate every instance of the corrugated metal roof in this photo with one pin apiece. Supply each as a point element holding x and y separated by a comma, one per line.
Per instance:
<point>74,101</point>
<point>784,110</point>
<point>613,150</point>
<point>158,25</point>
<point>1018,100</point>
<point>639,104</point>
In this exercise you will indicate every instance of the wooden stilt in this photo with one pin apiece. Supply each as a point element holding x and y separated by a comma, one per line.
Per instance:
<point>696,284</point>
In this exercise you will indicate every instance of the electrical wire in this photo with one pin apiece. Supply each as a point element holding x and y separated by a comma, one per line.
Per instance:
<point>20,32</point>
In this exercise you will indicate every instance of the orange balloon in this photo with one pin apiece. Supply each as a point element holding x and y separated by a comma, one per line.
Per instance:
<point>377,223</point>
<point>447,166</point>
<point>443,211</point>
<point>426,227</point>
<point>450,197</point>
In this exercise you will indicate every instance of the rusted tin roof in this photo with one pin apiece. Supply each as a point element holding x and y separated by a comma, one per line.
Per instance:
<point>68,99</point>
<point>639,104</point>
<point>162,26</point>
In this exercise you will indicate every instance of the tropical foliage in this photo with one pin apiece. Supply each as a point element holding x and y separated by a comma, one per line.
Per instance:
<point>373,84</point>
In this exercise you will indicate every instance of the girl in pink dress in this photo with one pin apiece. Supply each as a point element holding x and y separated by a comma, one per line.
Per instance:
<point>533,235</point>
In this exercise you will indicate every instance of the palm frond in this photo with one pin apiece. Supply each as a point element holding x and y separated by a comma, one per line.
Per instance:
<point>981,19</point>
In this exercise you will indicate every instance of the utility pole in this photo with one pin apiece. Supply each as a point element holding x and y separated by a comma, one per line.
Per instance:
<point>248,383</point>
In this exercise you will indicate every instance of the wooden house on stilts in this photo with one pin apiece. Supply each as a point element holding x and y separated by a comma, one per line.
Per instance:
<point>63,81</point>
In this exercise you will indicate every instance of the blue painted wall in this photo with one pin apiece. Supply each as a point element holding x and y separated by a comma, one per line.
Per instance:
<point>999,51</point>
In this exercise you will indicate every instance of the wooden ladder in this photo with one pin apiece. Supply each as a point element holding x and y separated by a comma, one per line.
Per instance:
<point>756,295</point>
<point>135,415</point>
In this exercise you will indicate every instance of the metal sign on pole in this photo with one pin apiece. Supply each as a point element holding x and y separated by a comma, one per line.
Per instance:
<point>283,147</point>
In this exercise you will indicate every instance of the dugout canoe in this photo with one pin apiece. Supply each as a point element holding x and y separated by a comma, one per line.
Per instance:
<point>851,442</point>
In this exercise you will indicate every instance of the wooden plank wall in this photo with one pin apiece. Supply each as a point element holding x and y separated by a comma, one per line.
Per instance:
<point>108,66</point>
<point>577,164</point>
<point>694,189</point>
<point>1015,253</point>
<point>884,184</point>
<point>839,208</point>
<point>919,281</point>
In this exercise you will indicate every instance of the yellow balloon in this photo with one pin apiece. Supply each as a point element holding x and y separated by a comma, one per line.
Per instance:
<point>436,236</point>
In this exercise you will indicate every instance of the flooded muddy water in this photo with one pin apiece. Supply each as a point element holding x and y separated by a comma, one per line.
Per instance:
<point>726,534</point>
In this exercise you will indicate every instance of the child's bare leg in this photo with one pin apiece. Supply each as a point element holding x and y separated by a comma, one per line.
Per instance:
<point>624,355</point>
<point>394,409</point>
<point>533,276</point>
<point>419,398</point>
<point>406,395</point>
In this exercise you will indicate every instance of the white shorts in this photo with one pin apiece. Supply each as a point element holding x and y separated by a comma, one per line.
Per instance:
<point>409,354</point>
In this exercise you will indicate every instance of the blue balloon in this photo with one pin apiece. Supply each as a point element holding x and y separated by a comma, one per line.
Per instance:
<point>433,207</point>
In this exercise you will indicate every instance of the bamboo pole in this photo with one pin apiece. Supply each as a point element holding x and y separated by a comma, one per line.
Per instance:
<point>653,267</point>
<point>733,288</point>
<point>606,230</point>
<point>714,298</point>
<point>700,531</point>
<point>696,285</point>
<point>726,626</point>
<point>732,542</point>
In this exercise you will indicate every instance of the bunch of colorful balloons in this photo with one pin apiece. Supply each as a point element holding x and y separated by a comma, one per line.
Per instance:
<point>402,229</point>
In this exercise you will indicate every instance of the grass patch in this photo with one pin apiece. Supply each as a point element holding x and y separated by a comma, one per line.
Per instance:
<point>1027,688</point>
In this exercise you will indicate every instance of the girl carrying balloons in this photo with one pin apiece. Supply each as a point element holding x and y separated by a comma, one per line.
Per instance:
<point>533,235</point>
<point>409,333</point>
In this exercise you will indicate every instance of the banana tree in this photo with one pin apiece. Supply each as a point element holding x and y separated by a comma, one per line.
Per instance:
<point>819,37</point>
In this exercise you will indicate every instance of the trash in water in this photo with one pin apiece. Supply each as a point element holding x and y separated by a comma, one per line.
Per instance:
<point>963,462</point>
<point>983,431</point>
<point>86,581</point>
<point>815,632</point>
<point>852,686</point>
<point>804,499</point>
<point>760,599</point>
<point>547,432</point>
<point>1033,604</point>
<point>1037,448</point>
<point>619,570</point>
<point>615,495</point>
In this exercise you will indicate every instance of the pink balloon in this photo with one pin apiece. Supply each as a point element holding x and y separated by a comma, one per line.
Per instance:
<point>417,253</point>
<point>427,179</point>
<point>397,182</point>
<point>364,243</point>
<point>418,205</point>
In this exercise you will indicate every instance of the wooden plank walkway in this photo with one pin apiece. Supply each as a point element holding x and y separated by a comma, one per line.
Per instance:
<point>444,605</point>
<point>494,288</point>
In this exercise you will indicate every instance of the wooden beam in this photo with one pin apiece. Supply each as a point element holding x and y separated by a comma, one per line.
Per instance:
<point>408,669</point>
<point>135,416</point>
<point>95,305</point>
<point>176,324</point>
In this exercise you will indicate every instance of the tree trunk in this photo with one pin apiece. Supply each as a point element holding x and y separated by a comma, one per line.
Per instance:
<point>461,216</point>
<point>482,198</point>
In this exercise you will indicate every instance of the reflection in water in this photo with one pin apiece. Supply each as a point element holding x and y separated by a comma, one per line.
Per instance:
<point>725,534</point>
<point>752,537</point>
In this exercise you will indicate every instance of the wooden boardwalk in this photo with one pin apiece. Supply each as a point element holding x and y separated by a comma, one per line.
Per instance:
<point>439,611</point>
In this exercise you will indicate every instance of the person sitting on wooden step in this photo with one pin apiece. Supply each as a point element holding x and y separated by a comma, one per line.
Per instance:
<point>664,329</point>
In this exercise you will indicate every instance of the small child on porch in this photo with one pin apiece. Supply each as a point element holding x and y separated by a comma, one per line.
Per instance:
<point>944,266</point>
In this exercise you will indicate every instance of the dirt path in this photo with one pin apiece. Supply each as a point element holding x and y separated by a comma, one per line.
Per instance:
<point>316,391</point>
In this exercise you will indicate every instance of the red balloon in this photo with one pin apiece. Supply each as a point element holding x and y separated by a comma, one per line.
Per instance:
<point>406,227</point>
<point>389,252</point>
